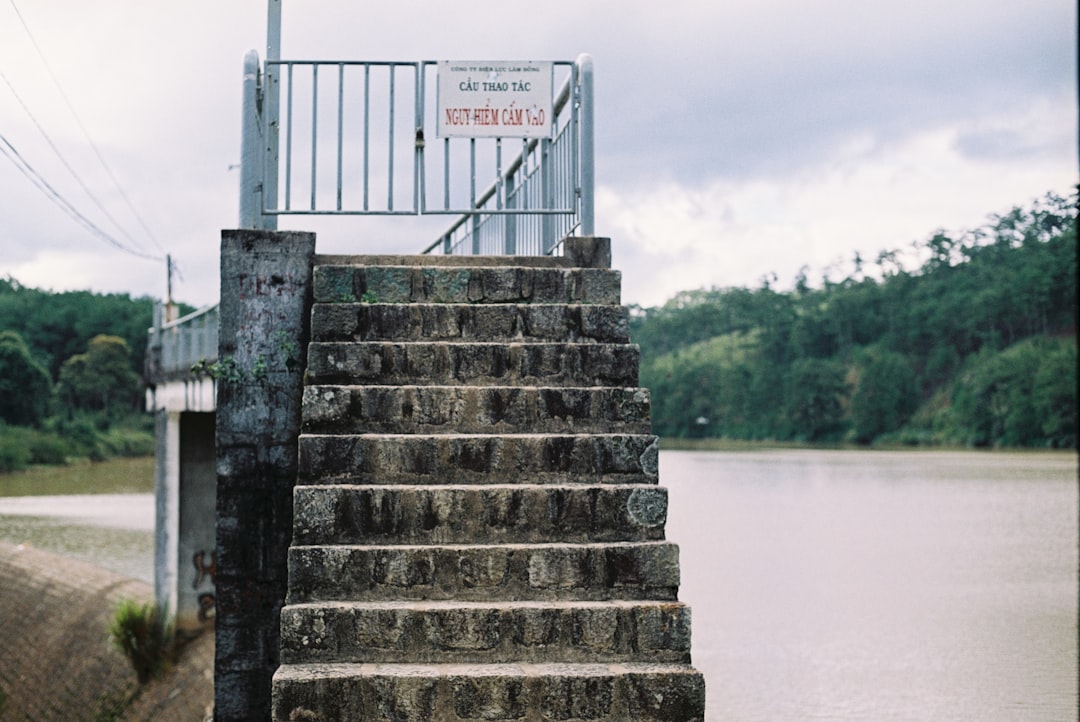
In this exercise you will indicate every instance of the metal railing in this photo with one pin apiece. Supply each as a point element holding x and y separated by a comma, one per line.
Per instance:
<point>174,347</point>
<point>357,138</point>
<point>547,174</point>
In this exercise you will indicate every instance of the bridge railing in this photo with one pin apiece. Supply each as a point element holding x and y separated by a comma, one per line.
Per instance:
<point>359,138</point>
<point>174,347</point>
<point>518,213</point>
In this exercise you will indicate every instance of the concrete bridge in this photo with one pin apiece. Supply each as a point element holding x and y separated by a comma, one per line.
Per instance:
<point>182,395</point>
<point>434,485</point>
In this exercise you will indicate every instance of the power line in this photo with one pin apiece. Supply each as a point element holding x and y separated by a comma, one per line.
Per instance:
<point>82,127</point>
<point>64,160</point>
<point>11,153</point>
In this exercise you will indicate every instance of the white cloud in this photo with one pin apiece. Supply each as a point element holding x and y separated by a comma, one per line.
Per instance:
<point>734,139</point>
<point>867,199</point>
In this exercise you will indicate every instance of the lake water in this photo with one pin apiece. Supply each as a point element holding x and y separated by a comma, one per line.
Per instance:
<point>851,585</point>
<point>825,585</point>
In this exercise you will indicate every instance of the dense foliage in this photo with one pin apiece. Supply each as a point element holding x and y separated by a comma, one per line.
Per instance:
<point>70,375</point>
<point>25,386</point>
<point>974,345</point>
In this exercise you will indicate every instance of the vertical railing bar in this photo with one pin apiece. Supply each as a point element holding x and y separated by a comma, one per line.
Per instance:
<point>288,144</point>
<point>499,187</point>
<point>390,171</point>
<point>575,129</point>
<point>340,128</point>
<point>472,197</point>
<point>472,173</point>
<point>314,128</point>
<point>546,229</point>
<point>588,158</point>
<point>525,169</point>
<point>367,127</point>
<point>270,165</point>
<point>446,174</point>
<point>419,181</point>
<point>547,171</point>
<point>510,222</point>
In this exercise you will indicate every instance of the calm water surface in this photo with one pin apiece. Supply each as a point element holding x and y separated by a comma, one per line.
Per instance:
<point>100,513</point>
<point>850,585</point>
<point>825,585</point>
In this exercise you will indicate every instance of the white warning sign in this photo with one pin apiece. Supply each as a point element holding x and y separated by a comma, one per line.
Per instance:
<point>494,99</point>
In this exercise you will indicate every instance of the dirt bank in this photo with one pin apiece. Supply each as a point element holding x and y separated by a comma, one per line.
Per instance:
<point>56,660</point>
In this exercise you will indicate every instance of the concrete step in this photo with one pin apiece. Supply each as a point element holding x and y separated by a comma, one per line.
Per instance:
<point>494,693</point>
<point>484,364</point>
<point>463,572</point>
<point>478,458</point>
<point>544,323</point>
<point>485,632</point>
<point>488,514</point>
<point>464,284</point>
<point>474,410</point>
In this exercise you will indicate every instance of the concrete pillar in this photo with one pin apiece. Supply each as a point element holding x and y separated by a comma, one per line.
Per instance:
<point>265,300</point>
<point>166,508</point>
<point>185,484</point>
<point>588,251</point>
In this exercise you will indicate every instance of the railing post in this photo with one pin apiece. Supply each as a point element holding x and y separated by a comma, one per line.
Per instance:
<point>588,164</point>
<point>547,197</point>
<point>510,221</point>
<point>271,114</point>
<point>251,146</point>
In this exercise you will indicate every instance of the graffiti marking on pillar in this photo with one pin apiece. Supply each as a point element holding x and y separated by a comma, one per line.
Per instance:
<point>204,570</point>
<point>206,607</point>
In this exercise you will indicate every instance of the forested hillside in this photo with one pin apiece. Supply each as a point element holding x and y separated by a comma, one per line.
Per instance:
<point>70,375</point>
<point>962,339</point>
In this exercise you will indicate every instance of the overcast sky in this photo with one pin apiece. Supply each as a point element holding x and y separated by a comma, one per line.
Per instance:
<point>735,138</point>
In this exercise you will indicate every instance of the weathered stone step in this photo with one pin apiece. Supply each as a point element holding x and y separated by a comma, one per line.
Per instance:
<point>485,632</point>
<point>585,572</point>
<point>494,693</point>
<point>445,363</point>
<point>478,458</point>
<point>469,322</point>
<point>464,284</point>
<point>488,514</point>
<point>474,409</point>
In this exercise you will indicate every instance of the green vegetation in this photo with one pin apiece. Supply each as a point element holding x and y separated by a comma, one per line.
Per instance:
<point>131,475</point>
<point>976,346</point>
<point>70,383</point>
<point>24,383</point>
<point>143,634</point>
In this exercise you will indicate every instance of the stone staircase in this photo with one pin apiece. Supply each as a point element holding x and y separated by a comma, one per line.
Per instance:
<point>478,530</point>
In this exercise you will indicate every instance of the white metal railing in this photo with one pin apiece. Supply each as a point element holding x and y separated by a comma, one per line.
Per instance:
<point>546,174</point>
<point>174,347</point>
<point>357,138</point>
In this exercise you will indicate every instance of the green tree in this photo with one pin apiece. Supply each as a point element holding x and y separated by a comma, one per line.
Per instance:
<point>994,398</point>
<point>1055,393</point>
<point>929,333</point>
<point>25,386</point>
<point>814,396</point>
<point>100,379</point>
<point>56,326</point>
<point>885,396</point>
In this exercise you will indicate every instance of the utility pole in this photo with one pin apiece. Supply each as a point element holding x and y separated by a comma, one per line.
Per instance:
<point>170,309</point>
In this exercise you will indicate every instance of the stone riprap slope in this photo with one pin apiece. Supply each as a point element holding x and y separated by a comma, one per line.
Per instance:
<point>56,659</point>
<point>478,529</point>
